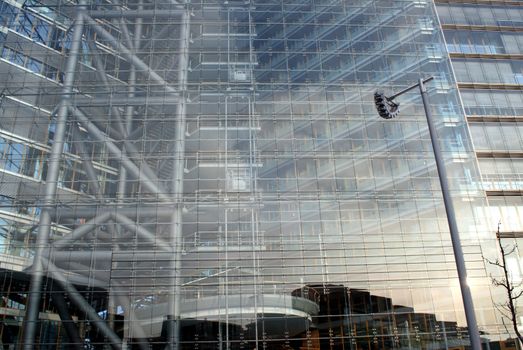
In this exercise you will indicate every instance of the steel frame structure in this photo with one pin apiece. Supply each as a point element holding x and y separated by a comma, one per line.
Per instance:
<point>132,165</point>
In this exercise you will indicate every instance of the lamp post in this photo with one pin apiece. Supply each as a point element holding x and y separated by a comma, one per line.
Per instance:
<point>388,109</point>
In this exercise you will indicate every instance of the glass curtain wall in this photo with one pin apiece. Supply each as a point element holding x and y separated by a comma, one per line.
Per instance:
<point>485,45</point>
<point>214,175</point>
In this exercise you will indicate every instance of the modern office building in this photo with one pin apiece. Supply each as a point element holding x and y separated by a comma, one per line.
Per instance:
<point>214,175</point>
<point>485,43</point>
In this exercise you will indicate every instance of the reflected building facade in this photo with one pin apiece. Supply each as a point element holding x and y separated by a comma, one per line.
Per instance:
<point>213,175</point>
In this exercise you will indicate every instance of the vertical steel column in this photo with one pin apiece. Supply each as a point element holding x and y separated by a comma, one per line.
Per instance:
<point>53,168</point>
<point>177,186</point>
<point>122,181</point>
<point>453,227</point>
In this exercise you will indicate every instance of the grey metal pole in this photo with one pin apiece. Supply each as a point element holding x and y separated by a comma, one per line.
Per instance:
<point>453,227</point>
<point>173,321</point>
<point>44,229</point>
<point>129,110</point>
<point>90,211</point>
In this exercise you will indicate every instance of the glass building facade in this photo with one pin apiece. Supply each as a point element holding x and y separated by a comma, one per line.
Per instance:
<point>486,45</point>
<point>214,175</point>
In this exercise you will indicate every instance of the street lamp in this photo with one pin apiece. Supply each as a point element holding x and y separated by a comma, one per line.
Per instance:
<point>388,109</point>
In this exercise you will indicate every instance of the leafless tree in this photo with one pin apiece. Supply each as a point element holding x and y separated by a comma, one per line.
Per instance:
<point>512,290</point>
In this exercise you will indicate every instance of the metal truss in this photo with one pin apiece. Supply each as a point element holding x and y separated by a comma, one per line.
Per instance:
<point>83,115</point>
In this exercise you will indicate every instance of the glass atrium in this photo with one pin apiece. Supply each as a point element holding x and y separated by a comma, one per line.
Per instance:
<point>214,175</point>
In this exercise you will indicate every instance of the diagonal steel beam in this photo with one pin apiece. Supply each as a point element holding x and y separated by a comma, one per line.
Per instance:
<point>79,300</point>
<point>123,26</point>
<point>134,170</point>
<point>129,148</point>
<point>124,128</point>
<point>94,187</point>
<point>129,55</point>
<point>167,28</point>
<point>102,75</point>
<point>141,231</point>
<point>68,323</point>
<point>82,230</point>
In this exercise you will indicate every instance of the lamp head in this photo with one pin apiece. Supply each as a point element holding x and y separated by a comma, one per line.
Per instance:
<point>387,109</point>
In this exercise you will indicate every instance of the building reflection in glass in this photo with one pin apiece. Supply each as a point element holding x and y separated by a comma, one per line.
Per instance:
<point>224,178</point>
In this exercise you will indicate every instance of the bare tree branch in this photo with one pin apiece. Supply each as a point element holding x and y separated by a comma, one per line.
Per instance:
<point>508,309</point>
<point>511,250</point>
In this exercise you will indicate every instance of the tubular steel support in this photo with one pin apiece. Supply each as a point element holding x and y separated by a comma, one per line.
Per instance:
<point>82,230</point>
<point>451,218</point>
<point>124,129</point>
<point>173,320</point>
<point>128,54</point>
<point>164,31</point>
<point>129,148</point>
<point>67,321</point>
<point>123,26</point>
<point>94,185</point>
<point>131,14</point>
<point>103,100</point>
<point>122,179</point>
<point>100,72</point>
<point>37,270</point>
<point>141,231</point>
<point>150,184</point>
<point>129,110</point>
<point>79,300</point>
<point>90,211</point>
